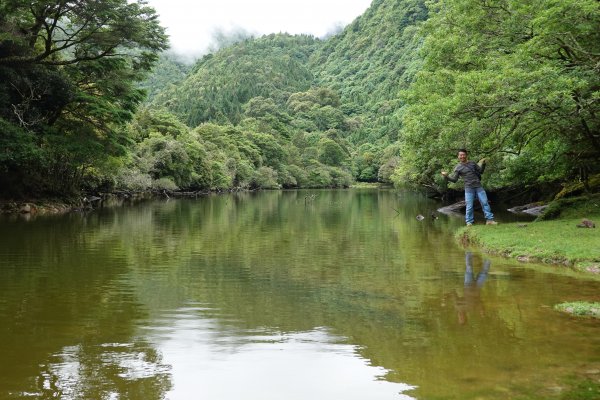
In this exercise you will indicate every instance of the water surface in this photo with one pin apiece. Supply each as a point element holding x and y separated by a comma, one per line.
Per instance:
<point>280,295</point>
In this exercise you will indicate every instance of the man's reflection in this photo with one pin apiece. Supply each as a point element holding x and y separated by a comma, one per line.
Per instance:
<point>471,299</point>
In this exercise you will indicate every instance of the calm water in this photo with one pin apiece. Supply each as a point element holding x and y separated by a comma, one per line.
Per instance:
<point>276,295</point>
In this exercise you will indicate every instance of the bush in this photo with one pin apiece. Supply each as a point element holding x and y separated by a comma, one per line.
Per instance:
<point>299,174</point>
<point>133,179</point>
<point>286,179</point>
<point>331,153</point>
<point>340,178</point>
<point>318,177</point>
<point>164,183</point>
<point>266,178</point>
<point>220,178</point>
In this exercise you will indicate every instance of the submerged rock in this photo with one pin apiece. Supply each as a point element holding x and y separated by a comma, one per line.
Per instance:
<point>534,209</point>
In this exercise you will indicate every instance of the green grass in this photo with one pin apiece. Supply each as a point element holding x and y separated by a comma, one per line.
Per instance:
<point>586,389</point>
<point>555,241</point>
<point>547,240</point>
<point>580,308</point>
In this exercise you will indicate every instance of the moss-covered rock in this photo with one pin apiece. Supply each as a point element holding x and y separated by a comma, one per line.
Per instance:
<point>572,207</point>
<point>574,189</point>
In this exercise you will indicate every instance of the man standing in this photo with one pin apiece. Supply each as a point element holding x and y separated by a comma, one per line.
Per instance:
<point>471,175</point>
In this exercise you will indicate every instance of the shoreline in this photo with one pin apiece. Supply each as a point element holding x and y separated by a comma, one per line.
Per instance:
<point>88,202</point>
<point>35,207</point>
<point>513,243</point>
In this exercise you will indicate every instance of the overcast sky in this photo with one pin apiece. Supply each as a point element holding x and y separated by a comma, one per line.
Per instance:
<point>192,24</point>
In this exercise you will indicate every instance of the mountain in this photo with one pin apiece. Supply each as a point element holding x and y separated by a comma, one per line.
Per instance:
<point>371,61</point>
<point>366,65</point>
<point>220,83</point>
<point>168,72</point>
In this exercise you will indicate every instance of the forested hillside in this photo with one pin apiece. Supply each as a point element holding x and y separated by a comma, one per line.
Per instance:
<point>220,83</point>
<point>332,105</point>
<point>390,98</point>
<point>168,72</point>
<point>368,64</point>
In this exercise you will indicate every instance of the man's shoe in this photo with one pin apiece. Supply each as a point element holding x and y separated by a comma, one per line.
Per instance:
<point>469,223</point>
<point>491,222</point>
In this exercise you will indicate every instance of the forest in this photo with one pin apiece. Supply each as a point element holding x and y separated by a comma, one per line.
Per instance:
<point>92,101</point>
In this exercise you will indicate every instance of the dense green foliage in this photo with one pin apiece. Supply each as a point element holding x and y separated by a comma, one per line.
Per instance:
<point>331,104</point>
<point>273,66</point>
<point>369,64</point>
<point>259,152</point>
<point>67,84</point>
<point>515,81</point>
<point>390,98</point>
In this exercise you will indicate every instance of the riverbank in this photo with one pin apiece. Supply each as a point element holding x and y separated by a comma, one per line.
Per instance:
<point>35,206</point>
<point>563,241</point>
<point>49,206</point>
<point>89,202</point>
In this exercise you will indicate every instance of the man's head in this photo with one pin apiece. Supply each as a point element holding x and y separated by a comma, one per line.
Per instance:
<point>462,155</point>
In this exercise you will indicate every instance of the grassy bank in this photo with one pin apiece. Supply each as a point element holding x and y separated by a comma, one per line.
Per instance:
<point>557,241</point>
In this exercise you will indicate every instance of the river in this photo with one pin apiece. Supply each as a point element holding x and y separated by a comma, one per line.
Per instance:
<point>325,294</point>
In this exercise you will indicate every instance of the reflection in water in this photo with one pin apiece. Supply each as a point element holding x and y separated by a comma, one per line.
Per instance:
<point>471,299</point>
<point>107,371</point>
<point>233,363</point>
<point>251,294</point>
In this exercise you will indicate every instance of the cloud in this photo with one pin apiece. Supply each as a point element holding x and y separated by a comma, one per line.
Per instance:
<point>222,38</point>
<point>196,26</point>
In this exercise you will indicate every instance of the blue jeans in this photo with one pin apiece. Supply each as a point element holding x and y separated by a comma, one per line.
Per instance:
<point>470,198</point>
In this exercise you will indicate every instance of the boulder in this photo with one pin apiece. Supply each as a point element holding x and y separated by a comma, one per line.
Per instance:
<point>586,223</point>
<point>455,208</point>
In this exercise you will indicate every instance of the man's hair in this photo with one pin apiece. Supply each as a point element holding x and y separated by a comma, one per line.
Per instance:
<point>463,151</point>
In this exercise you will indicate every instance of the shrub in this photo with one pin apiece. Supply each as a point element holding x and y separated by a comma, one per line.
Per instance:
<point>164,183</point>
<point>266,178</point>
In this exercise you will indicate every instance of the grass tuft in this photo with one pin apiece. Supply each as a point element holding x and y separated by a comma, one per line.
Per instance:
<point>580,308</point>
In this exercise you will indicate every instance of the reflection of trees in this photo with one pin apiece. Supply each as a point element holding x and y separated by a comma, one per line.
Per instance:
<point>62,302</point>
<point>346,260</point>
<point>105,371</point>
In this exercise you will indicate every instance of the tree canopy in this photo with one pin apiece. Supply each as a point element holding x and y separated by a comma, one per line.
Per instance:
<point>517,81</point>
<point>68,73</point>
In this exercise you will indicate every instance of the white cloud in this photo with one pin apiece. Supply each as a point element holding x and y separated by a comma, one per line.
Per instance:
<point>191,24</point>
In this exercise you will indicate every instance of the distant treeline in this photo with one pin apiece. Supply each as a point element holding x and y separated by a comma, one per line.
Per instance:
<point>390,98</point>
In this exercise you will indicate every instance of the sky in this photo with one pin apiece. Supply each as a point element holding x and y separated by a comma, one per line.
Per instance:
<point>193,24</point>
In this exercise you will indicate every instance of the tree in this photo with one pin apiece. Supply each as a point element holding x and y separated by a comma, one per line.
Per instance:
<point>68,69</point>
<point>331,153</point>
<point>514,80</point>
